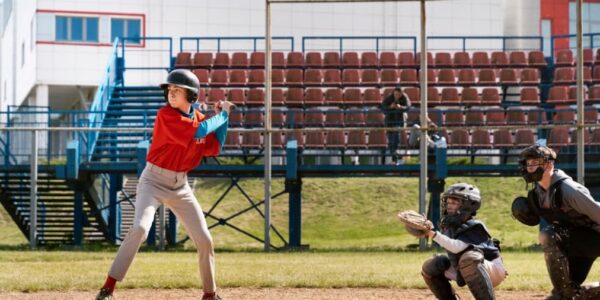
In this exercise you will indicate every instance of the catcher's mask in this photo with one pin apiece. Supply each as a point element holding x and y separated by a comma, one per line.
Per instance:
<point>184,79</point>
<point>535,152</point>
<point>470,199</point>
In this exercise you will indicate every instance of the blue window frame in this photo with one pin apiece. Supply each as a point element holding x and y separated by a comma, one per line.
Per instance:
<point>76,29</point>
<point>130,28</point>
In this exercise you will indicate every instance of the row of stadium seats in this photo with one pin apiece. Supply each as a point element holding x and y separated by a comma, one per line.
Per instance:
<point>376,139</point>
<point>373,96</point>
<point>479,59</point>
<point>374,117</point>
<point>388,77</point>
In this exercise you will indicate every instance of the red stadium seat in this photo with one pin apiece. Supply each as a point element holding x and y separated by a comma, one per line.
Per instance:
<point>278,60</point>
<point>430,60</point>
<point>530,76</point>
<point>294,77</point>
<point>454,118</point>
<point>372,96</point>
<point>334,118</point>
<point>253,119</point>
<point>596,74</point>
<point>433,96</point>
<point>558,95</point>
<point>369,77</point>
<point>495,116</point>
<point>503,138</point>
<point>374,117</point>
<point>450,96</point>
<point>202,75</point>
<point>333,96</point>
<point>515,115</point>
<point>509,77</point>
<point>590,115</point>
<point>294,97</point>
<point>490,96</point>
<point>257,60</point>
<point>564,116</point>
<point>595,139</point>
<point>537,59</point>
<point>256,97</point>
<point>352,96</point>
<point>350,77</point>
<point>459,138</point>
<point>443,60</point>
<point>414,95</point>
<point>462,60</point>
<point>408,77</point>
<point>221,60</point>
<point>524,138</point>
<point>314,97</point>
<point>564,75</point>
<point>487,77</point>
<point>313,60</point>
<point>573,94</point>
<point>499,59</point>
<point>236,96</point>
<point>564,58</point>
<point>218,78</point>
<point>388,60</point>
<point>586,140</point>
<point>378,139</point>
<point>517,59</point>
<point>216,94</point>
<point>232,141</point>
<point>588,56</point>
<point>335,140</point>
<point>350,60</point>
<point>239,60</point>
<point>313,118</point>
<point>474,117</point>
<point>183,60</point>
<point>277,97</point>
<point>469,96</point>
<point>530,95</point>
<point>237,77</point>
<point>466,77</point>
<point>256,77</point>
<point>595,93</point>
<point>369,60</point>
<point>203,60</point>
<point>313,77</point>
<point>235,119</point>
<point>277,118</point>
<point>357,139</point>
<point>277,77</point>
<point>332,77</point>
<point>296,60</point>
<point>481,139</point>
<point>251,140</point>
<point>446,77</point>
<point>481,60</point>
<point>389,77</point>
<point>354,118</point>
<point>331,60</point>
<point>406,60</point>
<point>558,137</point>
<point>536,117</point>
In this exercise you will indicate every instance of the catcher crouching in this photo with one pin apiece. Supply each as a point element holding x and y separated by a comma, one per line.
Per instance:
<point>473,256</point>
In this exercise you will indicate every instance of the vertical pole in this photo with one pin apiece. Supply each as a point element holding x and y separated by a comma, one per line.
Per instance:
<point>267,134</point>
<point>33,192</point>
<point>424,124</point>
<point>293,185</point>
<point>78,219</point>
<point>114,209</point>
<point>580,112</point>
<point>161,233</point>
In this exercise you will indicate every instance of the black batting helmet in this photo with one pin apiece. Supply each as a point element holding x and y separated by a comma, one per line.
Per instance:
<point>183,79</point>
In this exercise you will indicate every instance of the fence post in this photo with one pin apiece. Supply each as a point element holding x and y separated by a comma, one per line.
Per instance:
<point>33,192</point>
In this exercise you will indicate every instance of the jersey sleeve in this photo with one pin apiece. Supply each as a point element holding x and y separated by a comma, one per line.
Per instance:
<point>215,140</point>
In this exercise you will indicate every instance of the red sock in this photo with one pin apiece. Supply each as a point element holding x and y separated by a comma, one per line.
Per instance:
<point>208,295</point>
<point>110,284</point>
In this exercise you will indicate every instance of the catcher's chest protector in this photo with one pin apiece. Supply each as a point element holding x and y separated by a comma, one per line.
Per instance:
<point>556,213</point>
<point>474,232</point>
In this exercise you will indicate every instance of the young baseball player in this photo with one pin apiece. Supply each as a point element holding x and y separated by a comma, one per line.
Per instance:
<point>182,136</point>
<point>571,241</point>
<point>473,257</point>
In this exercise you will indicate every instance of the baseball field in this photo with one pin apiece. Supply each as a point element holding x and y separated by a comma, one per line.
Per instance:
<point>357,250</point>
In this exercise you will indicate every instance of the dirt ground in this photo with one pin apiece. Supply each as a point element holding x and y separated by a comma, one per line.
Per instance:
<point>269,293</point>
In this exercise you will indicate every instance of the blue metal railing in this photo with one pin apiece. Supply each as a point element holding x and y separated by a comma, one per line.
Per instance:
<point>375,39</point>
<point>586,36</point>
<point>502,39</point>
<point>102,97</point>
<point>219,40</point>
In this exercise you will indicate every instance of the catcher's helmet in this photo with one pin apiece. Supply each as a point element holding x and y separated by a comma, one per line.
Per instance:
<point>534,152</point>
<point>183,79</point>
<point>468,193</point>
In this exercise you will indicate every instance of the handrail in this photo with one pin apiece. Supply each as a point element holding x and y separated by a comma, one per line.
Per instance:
<point>254,39</point>
<point>502,38</point>
<point>375,38</point>
<point>569,36</point>
<point>102,98</point>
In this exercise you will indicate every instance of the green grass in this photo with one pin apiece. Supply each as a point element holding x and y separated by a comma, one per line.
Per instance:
<point>74,270</point>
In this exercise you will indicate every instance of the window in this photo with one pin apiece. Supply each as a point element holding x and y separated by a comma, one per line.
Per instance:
<point>76,29</point>
<point>129,28</point>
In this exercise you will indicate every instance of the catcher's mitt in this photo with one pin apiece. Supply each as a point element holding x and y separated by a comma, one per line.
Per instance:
<point>415,223</point>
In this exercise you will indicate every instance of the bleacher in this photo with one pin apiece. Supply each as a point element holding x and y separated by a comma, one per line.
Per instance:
<point>332,89</point>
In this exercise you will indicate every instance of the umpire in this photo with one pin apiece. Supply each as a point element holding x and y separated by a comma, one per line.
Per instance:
<point>395,107</point>
<point>571,241</point>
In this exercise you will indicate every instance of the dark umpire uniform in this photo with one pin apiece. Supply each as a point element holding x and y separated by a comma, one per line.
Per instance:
<point>571,241</point>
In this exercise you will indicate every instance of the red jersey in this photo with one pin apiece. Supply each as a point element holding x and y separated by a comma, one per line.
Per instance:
<point>173,144</point>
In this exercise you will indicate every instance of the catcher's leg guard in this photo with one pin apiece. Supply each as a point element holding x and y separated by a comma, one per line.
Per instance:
<point>477,278</point>
<point>552,239</point>
<point>433,274</point>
